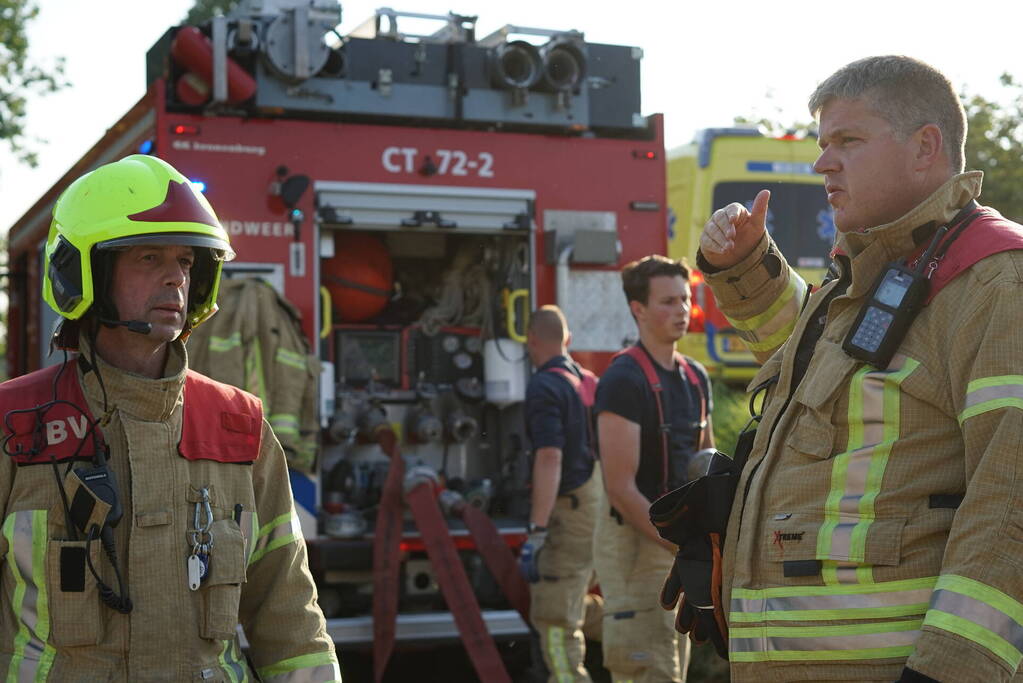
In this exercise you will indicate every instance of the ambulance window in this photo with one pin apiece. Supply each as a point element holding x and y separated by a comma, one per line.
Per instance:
<point>799,218</point>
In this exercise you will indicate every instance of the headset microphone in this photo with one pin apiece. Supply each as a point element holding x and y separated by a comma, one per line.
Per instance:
<point>137,326</point>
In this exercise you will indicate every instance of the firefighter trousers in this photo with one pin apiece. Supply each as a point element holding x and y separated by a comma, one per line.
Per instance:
<point>640,641</point>
<point>557,602</point>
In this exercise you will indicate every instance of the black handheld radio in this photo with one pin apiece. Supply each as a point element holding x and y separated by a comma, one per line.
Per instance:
<point>893,304</point>
<point>896,298</point>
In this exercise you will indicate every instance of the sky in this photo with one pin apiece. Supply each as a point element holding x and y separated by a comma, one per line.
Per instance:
<point>704,62</point>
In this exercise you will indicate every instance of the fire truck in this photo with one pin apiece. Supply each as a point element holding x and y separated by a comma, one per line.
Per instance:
<point>725,165</point>
<point>478,177</point>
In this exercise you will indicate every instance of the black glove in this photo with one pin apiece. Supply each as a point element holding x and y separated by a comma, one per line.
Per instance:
<point>694,518</point>
<point>691,586</point>
<point>910,676</point>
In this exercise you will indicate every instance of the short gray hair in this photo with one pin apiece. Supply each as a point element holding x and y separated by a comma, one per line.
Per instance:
<point>906,92</point>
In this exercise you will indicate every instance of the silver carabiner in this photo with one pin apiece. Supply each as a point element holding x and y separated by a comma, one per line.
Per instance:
<point>201,531</point>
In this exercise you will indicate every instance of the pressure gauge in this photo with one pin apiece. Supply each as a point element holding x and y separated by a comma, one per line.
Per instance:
<point>450,343</point>
<point>462,360</point>
<point>473,344</point>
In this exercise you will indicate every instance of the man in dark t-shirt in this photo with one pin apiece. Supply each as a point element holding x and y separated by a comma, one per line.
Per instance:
<point>639,638</point>
<point>557,557</point>
<point>625,391</point>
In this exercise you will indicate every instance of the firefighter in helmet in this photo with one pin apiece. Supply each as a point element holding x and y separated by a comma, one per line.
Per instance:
<point>133,543</point>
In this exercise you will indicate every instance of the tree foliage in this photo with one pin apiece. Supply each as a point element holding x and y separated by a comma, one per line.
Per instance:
<point>204,10</point>
<point>994,144</point>
<point>20,76</point>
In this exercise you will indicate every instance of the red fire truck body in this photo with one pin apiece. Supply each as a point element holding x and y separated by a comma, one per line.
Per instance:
<point>556,201</point>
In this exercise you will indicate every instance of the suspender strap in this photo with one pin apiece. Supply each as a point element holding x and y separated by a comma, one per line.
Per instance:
<point>694,379</point>
<point>647,366</point>
<point>642,359</point>
<point>586,388</point>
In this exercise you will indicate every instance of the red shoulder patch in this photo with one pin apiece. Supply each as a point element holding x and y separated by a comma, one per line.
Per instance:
<point>219,422</point>
<point>38,429</point>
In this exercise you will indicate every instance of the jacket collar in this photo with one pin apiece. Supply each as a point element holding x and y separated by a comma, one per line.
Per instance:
<point>138,397</point>
<point>871,250</point>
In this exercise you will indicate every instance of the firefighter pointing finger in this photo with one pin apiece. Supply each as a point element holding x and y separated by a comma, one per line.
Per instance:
<point>733,231</point>
<point>872,534</point>
<point>146,508</point>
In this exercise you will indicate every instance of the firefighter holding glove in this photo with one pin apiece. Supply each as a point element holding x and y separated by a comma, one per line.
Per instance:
<point>147,508</point>
<point>653,413</point>
<point>873,534</point>
<point>557,558</point>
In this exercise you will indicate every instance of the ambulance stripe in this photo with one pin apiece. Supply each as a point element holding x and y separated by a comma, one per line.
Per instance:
<point>32,656</point>
<point>908,597</point>
<point>312,668</point>
<point>823,642</point>
<point>279,532</point>
<point>291,359</point>
<point>856,474</point>
<point>980,613</point>
<point>772,327</point>
<point>991,393</point>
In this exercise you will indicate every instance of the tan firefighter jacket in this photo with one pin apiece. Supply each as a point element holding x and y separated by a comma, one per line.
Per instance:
<point>256,343</point>
<point>258,573</point>
<point>849,553</point>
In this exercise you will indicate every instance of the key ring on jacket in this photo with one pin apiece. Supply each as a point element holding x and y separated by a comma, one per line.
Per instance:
<point>201,534</point>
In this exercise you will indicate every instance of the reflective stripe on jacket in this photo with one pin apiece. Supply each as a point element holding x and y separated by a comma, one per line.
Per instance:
<point>846,556</point>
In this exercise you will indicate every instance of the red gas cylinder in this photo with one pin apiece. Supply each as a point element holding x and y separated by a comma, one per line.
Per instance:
<point>193,50</point>
<point>193,90</point>
<point>358,276</point>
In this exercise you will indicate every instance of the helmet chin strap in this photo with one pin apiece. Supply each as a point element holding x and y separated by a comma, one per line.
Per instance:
<point>136,326</point>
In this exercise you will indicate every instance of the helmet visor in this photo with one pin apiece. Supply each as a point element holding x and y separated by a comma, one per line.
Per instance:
<point>220,249</point>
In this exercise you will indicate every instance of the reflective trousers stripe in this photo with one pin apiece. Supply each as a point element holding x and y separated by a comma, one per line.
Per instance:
<point>772,327</point>
<point>556,653</point>
<point>980,613</point>
<point>279,532</point>
<point>824,642</point>
<point>856,473</point>
<point>991,393</point>
<point>314,668</point>
<point>904,598</point>
<point>32,655</point>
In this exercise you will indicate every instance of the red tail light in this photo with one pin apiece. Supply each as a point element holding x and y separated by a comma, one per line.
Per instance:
<point>696,319</point>
<point>697,316</point>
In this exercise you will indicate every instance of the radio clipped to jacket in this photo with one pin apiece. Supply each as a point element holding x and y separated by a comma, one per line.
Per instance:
<point>893,304</point>
<point>898,295</point>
